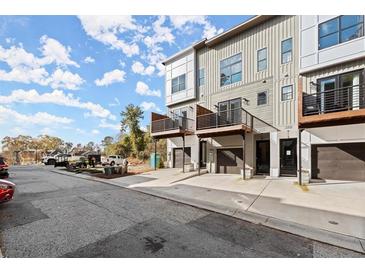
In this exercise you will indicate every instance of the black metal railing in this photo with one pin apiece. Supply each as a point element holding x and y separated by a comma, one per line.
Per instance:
<point>335,100</point>
<point>224,119</point>
<point>168,124</point>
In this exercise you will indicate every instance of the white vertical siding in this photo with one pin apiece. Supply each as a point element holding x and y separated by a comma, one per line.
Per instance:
<point>269,35</point>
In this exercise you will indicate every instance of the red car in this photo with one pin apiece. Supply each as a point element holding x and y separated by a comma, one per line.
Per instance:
<point>6,191</point>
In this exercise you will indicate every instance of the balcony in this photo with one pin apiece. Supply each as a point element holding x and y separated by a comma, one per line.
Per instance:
<point>210,124</point>
<point>163,126</point>
<point>333,107</point>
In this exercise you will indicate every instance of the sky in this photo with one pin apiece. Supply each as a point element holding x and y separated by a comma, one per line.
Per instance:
<point>71,76</point>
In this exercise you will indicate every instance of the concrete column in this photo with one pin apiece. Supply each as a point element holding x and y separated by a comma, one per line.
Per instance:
<point>274,154</point>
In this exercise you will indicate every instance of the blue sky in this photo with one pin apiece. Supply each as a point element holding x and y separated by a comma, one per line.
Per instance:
<point>71,76</point>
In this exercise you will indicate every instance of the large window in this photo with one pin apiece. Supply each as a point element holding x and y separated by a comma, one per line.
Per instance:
<point>201,79</point>
<point>261,59</point>
<point>340,29</point>
<point>287,93</point>
<point>262,98</point>
<point>231,70</point>
<point>178,83</point>
<point>286,50</point>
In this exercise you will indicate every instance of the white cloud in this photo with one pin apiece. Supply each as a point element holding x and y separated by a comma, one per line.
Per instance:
<point>143,89</point>
<point>122,63</point>
<point>138,68</point>
<point>95,132</point>
<point>105,124</point>
<point>54,52</point>
<point>181,21</point>
<point>149,106</point>
<point>115,103</point>
<point>106,28</point>
<point>39,118</point>
<point>162,34</point>
<point>89,59</point>
<point>111,77</point>
<point>27,68</point>
<point>57,97</point>
<point>65,79</point>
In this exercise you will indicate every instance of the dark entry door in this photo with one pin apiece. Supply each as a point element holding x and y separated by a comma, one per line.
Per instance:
<point>178,156</point>
<point>288,157</point>
<point>263,157</point>
<point>229,160</point>
<point>203,154</point>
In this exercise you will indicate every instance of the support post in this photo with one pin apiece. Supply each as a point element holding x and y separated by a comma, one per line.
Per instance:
<point>300,155</point>
<point>199,155</point>
<point>155,141</point>
<point>183,153</point>
<point>243,157</point>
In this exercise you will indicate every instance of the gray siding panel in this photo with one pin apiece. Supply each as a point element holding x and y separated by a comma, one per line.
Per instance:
<point>269,35</point>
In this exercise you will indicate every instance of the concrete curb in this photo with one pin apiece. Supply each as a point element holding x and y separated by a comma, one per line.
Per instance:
<point>317,234</point>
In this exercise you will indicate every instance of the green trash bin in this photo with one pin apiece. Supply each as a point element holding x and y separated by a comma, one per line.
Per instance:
<point>154,164</point>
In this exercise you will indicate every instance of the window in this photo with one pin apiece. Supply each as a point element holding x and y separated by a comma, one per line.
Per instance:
<point>261,59</point>
<point>286,50</point>
<point>180,112</point>
<point>201,79</point>
<point>287,93</point>
<point>262,98</point>
<point>178,83</point>
<point>231,70</point>
<point>340,30</point>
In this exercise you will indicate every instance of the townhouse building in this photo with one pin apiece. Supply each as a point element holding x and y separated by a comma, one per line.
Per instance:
<point>332,96</point>
<point>248,101</point>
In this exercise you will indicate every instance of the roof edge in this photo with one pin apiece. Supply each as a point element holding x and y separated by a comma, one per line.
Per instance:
<point>238,29</point>
<point>196,45</point>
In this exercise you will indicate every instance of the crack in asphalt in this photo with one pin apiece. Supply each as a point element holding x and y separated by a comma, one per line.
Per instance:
<point>107,209</point>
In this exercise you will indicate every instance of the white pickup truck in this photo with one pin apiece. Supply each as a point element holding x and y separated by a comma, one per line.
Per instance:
<point>115,160</point>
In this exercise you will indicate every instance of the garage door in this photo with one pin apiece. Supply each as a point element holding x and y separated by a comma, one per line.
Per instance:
<point>178,156</point>
<point>339,161</point>
<point>229,160</point>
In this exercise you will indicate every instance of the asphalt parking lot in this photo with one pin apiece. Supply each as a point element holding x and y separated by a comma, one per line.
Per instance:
<point>53,215</point>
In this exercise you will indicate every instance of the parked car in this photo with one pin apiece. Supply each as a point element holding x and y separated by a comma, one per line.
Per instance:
<point>4,173</point>
<point>115,160</point>
<point>49,160</point>
<point>6,191</point>
<point>62,160</point>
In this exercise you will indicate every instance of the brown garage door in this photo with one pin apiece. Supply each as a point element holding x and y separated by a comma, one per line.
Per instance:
<point>178,156</point>
<point>339,161</point>
<point>229,160</point>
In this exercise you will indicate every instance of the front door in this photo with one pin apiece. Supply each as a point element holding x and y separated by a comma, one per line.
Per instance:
<point>288,157</point>
<point>263,157</point>
<point>203,154</point>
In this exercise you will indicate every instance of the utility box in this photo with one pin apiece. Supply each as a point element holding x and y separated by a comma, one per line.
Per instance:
<point>154,164</point>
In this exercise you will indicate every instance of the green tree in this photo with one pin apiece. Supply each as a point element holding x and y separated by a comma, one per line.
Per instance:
<point>131,117</point>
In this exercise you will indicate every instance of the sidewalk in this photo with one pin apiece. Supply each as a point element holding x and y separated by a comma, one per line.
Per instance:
<point>331,213</point>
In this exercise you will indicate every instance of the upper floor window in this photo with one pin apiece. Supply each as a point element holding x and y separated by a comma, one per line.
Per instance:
<point>262,98</point>
<point>261,59</point>
<point>287,93</point>
<point>178,83</point>
<point>340,29</point>
<point>286,50</point>
<point>231,70</point>
<point>201,79</point>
